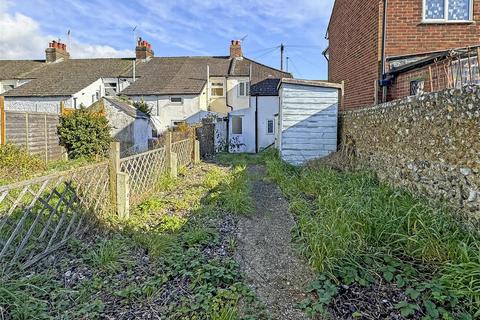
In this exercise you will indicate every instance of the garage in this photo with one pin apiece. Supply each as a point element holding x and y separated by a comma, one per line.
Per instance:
<point>308,119</point>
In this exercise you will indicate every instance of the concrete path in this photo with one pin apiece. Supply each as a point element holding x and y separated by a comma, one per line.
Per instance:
<point>277,274</point>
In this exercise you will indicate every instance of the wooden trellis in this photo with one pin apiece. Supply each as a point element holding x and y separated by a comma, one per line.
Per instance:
<point>38,216</point>
<point>144,171</point>
<point>184,151</point>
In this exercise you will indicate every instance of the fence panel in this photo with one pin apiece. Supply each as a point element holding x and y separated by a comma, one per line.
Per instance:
<point>38,216</point>
<point>37,132</point>
<point>145,170</point>
<point>184,150</point>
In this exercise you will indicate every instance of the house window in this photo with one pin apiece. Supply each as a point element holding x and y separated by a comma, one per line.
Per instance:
<point>216,89</point>
<point>75,103</point>
<point>237,125</point>
<point>465,72</point>
<point>417,87</point>
<point>110,88</point>
<point>7,87</point>
<point>176,100</point>
<point>270,127</point>
<point>447,10</point>
<point>93,98</point>
<point>243,89</point>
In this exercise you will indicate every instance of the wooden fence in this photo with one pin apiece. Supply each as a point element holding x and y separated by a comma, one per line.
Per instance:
<point>38,216</point>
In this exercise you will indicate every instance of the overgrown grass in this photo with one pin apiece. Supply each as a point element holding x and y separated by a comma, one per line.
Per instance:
<point>355,228</point>
<point>16,164</point>
<point>156,260</point>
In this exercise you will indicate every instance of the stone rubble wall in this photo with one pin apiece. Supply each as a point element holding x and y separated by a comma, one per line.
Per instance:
<point>429,144</point>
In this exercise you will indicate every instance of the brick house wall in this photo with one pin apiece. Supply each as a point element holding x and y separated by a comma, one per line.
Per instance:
<point>353,49</point>
<point>355,41</point>
<point>435,77</point>
<point>406,34</point>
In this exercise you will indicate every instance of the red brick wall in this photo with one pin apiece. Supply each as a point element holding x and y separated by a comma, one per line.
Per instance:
<point>354,50</point>
<point>400,87</point>
<point>406,34</point>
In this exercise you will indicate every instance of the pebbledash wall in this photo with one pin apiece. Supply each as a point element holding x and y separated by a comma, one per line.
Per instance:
<point>429,144</point>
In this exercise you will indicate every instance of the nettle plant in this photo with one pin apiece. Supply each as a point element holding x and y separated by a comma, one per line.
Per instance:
<point>84,134</point>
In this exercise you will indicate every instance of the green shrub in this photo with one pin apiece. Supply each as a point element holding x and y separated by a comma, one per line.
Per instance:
<point>16,164</point>
<point>84,134</point>
<point>142,106</point>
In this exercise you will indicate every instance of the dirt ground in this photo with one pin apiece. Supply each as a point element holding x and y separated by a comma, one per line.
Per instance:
<point>277,274</point>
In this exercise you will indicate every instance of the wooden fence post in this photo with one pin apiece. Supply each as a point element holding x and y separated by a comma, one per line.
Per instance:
<point>196,152</point>
<point>168,150</point>
<point>123,195</point>
<point>114,157</point>
<point>3,137</point>
<point>173,165</point>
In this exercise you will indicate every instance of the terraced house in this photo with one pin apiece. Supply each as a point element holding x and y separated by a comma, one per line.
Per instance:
<point>390,49</point>
<point>178,89</point>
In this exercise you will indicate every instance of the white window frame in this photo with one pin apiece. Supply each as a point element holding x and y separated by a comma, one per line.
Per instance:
<point>246,88</point>
<point>176,102</point>
<point>215,84</point>
<point>273,126</point>
<point>241,125</point>
<point>445,14</point>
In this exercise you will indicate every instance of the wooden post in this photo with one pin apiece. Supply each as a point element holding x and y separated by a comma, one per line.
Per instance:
<point>168,149</point>
<point>114,170</point>
<point>3,137</point>
<point>26,132</point>
<point>123,195</point>
<point>62,108</point>
<point>173,165</point>
<point>196,152</point>
<point>46,137</point>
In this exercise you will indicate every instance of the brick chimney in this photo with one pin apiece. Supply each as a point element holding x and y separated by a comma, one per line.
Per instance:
<point>143,50</point>
<point>236,49</point>
<point>55,51</point>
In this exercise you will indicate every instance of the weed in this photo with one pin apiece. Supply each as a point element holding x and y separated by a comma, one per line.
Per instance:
<point>355,229</point>
<point>234,193</point>
<point>107,255</point>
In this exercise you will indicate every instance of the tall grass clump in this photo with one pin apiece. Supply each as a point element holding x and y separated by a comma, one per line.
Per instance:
<point>233,194</point>
<point>343,217</point>
<point>16,164</point>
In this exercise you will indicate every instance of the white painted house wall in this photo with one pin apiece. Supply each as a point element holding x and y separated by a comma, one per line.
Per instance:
<point>5,85</point>
<point>168,112</point>
<point>244,142</point>
<point>51,104</point>
<point>36,104</point>
<point>308,122</point>
<point>233,93</point>
<point>268,107</point>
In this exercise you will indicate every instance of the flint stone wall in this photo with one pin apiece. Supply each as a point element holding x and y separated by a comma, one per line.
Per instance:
<point>429,144</point>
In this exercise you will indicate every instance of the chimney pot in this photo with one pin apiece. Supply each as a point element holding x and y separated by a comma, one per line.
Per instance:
<point>55,51</point>
<point>143,50</point>
<point>236,49</point>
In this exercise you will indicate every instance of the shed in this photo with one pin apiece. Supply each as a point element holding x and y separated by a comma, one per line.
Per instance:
<point>308,119</point>
<point>132,128</point>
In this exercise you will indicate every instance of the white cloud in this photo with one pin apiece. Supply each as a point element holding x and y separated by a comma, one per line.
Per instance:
<point>21,38</point>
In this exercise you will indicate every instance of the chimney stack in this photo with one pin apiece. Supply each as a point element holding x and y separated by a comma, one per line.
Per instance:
<point>236,49</point>
<point>55,51</point>
<point>143,51</point>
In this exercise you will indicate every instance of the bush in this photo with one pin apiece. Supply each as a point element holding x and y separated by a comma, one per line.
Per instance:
<point>16,164</point>
<point>84,134</point>
<point>142,106</point>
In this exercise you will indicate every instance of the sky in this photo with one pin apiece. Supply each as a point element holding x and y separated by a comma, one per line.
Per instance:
<point>104,28</point>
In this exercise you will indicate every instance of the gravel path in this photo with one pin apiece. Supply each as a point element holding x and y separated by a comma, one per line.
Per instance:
<point>271,266</point>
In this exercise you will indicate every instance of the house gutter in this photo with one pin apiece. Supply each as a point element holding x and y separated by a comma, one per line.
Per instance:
<point>385,80</point>
<point>256,124</point>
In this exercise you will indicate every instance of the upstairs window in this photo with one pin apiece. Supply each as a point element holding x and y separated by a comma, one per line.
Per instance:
<point>177,100</point>
<point>216,89</point>
<point>243,89</point>
<point>447,10</point>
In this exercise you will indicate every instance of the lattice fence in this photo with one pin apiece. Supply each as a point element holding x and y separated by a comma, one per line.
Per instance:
<point>145,171</point>
<point>184,150</point>
<point>38,216</point>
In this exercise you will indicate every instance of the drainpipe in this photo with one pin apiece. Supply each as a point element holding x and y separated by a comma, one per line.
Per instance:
<point>256,124</point>
<point>383,82</point>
